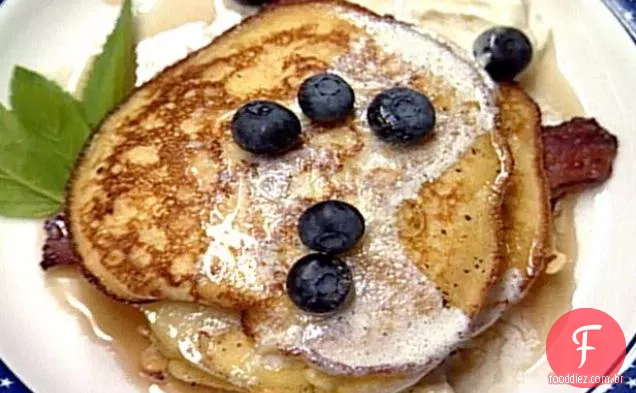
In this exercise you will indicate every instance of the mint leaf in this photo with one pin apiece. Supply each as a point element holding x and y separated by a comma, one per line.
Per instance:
<point>113,75</point>
<point>18,201</point>
<point>32,180</point>
<point>41,139</point>
<point>50,113</point>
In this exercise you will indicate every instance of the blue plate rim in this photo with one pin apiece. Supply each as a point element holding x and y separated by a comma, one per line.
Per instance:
<point>625,12</point>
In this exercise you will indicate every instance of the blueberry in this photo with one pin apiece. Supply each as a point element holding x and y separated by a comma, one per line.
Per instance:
<point>331,227</point>
<point>319,283</point>
<point>326,98</point>
<point>503,51</point>
<point>265,127</point>
<point>401,115</point>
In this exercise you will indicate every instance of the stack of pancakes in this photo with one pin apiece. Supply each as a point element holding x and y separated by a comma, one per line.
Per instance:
<point>166,210</point>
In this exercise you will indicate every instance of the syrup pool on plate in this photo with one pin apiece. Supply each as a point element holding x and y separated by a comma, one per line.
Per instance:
<point>502,355</point>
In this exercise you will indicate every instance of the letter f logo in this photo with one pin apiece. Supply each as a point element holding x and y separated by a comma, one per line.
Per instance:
<point>583,344</point>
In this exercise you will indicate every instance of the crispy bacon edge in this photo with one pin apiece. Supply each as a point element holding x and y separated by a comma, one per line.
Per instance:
<point>57,249</point>
<point>577,153</point>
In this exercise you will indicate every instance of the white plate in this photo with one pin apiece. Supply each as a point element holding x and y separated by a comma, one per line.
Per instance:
<point>49,350</point>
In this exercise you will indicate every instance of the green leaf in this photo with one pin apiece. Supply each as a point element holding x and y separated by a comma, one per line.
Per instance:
<point>47,111</point>
<point>18,201</point>
<point>41,139</point>
<point>32,180</point>
<point>113,75</point>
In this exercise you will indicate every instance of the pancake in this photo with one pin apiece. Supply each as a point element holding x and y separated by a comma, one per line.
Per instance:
<point>207,346</point>
<point>526,212</point>
<point>164,206</point>
<point>526,221</point>
<point>526,209</point>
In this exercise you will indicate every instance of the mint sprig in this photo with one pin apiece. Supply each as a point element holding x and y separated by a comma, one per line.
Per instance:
<point>41,138</point>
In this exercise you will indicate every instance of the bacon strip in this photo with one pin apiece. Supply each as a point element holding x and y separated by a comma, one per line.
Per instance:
<point>577,153</point>
<point>57,249</point>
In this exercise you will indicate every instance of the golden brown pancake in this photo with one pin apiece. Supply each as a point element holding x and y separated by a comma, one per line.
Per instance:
<point>526,208</point>
<point>164,205</point>
<point>211,349</point>
<point>525,220</point>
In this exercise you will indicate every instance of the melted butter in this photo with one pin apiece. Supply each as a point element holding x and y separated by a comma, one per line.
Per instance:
<point>502,355</point>
<point>549,87</point>
<point>156,16</point>
<point>474,16</point>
